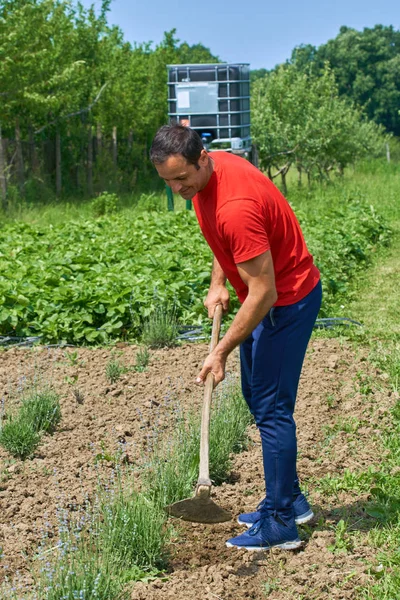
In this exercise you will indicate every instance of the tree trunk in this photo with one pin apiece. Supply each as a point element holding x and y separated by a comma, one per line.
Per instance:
<point>33,153</point>
<point>90,162</point>
<point>3,179</point>
<point>283,180</point>
<point>114,146</point>
<point>58,165</point>
<point>130,140</point>
<point>299,176</point>
<point>19,158</point>
<point>99,139</point>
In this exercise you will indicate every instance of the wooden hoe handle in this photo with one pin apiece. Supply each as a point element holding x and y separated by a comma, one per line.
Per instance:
<point>204,473</point>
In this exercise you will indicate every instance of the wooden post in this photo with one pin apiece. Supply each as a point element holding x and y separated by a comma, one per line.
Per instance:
<point>387,152</point>
<point>19,157</point>
<point>114,146</point>
<point>90,162</point>
<point>58,164</point>
<point>3,179</point>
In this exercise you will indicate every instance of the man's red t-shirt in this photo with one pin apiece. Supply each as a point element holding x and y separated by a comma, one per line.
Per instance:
<point>242,214</point>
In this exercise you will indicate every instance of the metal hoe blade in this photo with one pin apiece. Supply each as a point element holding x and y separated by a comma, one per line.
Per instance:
<point>199,509</point>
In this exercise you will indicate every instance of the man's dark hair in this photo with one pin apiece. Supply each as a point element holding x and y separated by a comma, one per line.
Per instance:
<point>176,139</point>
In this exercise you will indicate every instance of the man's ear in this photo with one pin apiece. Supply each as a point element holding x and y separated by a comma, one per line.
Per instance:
<point>203,159</point>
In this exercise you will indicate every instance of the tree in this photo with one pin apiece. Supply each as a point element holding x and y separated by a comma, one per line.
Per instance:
<point>366,65</point>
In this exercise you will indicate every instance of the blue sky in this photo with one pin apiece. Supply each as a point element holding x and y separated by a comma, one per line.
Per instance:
<point>260,32</point>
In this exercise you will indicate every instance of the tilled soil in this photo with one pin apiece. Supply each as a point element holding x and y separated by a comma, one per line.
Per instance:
<point>342,404</point>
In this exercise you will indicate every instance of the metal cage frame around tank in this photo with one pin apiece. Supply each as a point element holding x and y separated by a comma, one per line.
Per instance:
<point>245,144</point>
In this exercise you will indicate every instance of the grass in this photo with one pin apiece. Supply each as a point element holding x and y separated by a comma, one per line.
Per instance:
<point>38,414</point>
<point>373,300</point>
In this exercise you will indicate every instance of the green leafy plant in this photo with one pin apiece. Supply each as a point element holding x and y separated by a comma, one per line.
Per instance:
<point>114,370</point>
<point>160,328</point>
<point>72,357</point>
<point>343,542</point>
<point>19,437</point>
<point>142,359</point>
<point>42,410</point>
<point>105,204</point>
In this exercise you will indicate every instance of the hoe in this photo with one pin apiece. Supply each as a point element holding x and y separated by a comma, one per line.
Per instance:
<point>201,508</point>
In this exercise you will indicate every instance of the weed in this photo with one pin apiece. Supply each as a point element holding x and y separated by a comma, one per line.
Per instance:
<point>271,586</point>
<point>114,369</point>
<point>160,329</point>
<point>106,455</point>
<point>78,395</point>
<point>20,438</point>
<point>72,357</point>
<point>142,359</point>
<point>342,542</point>
<point>330,400</point>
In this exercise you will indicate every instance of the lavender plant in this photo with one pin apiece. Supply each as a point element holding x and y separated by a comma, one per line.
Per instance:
<point>19,438</point>
<point>160,328</point>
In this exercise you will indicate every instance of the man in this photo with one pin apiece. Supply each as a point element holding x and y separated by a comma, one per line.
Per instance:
<point>258,246</point>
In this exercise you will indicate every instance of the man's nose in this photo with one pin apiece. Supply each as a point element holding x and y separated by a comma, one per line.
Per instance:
<point>175,186</point>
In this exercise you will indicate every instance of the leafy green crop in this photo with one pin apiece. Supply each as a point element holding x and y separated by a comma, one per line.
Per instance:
<point>88,282</point>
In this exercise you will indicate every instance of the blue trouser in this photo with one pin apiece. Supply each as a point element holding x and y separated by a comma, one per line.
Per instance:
<point>271,360</point>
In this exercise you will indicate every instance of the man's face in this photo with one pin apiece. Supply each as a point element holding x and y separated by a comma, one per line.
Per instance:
<point>184,178</point>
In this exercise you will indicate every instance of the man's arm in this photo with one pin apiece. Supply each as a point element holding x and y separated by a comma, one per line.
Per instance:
<point>258,275</point>
<point>217,293</point>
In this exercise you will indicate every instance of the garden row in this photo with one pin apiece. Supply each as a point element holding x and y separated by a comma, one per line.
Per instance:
<point>121,534</point>
<point>96,280</point>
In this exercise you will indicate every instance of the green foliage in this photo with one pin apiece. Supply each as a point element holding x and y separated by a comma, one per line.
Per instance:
<point>343,542</point>
<point>77,79</point>
<point>298,119</point>
<point>42,410</point>
<point>105,204</point>
<point>160,328</point>
<point>173,465</point>
<point>118,540</point>
<point>39,413</point>
<point>19,437</point>
<point>366,65</point>
<point>114,369</point>
<point>142,359</point>
<point>93,280</point>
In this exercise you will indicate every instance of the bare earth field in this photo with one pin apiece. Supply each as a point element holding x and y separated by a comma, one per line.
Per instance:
<point>342,405</point>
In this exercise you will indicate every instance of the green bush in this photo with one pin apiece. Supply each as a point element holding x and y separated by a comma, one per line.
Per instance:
<point>42,410</point>
<point>160,328</point>
<point>19,437</point>
<point>105,204</point>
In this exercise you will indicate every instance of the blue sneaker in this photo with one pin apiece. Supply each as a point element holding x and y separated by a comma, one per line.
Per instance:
<point>302,512</point>
<point>267,533</point>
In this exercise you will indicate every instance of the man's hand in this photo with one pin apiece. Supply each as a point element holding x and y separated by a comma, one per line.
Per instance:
<point>217,294</point>
<point>214,363</point>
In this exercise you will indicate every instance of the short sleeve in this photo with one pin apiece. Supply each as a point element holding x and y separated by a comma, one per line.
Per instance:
<point>243,229</point>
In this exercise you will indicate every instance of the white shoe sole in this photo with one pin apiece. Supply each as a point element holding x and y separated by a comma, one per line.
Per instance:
<point>285,546</point>
<point>300,520</point>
